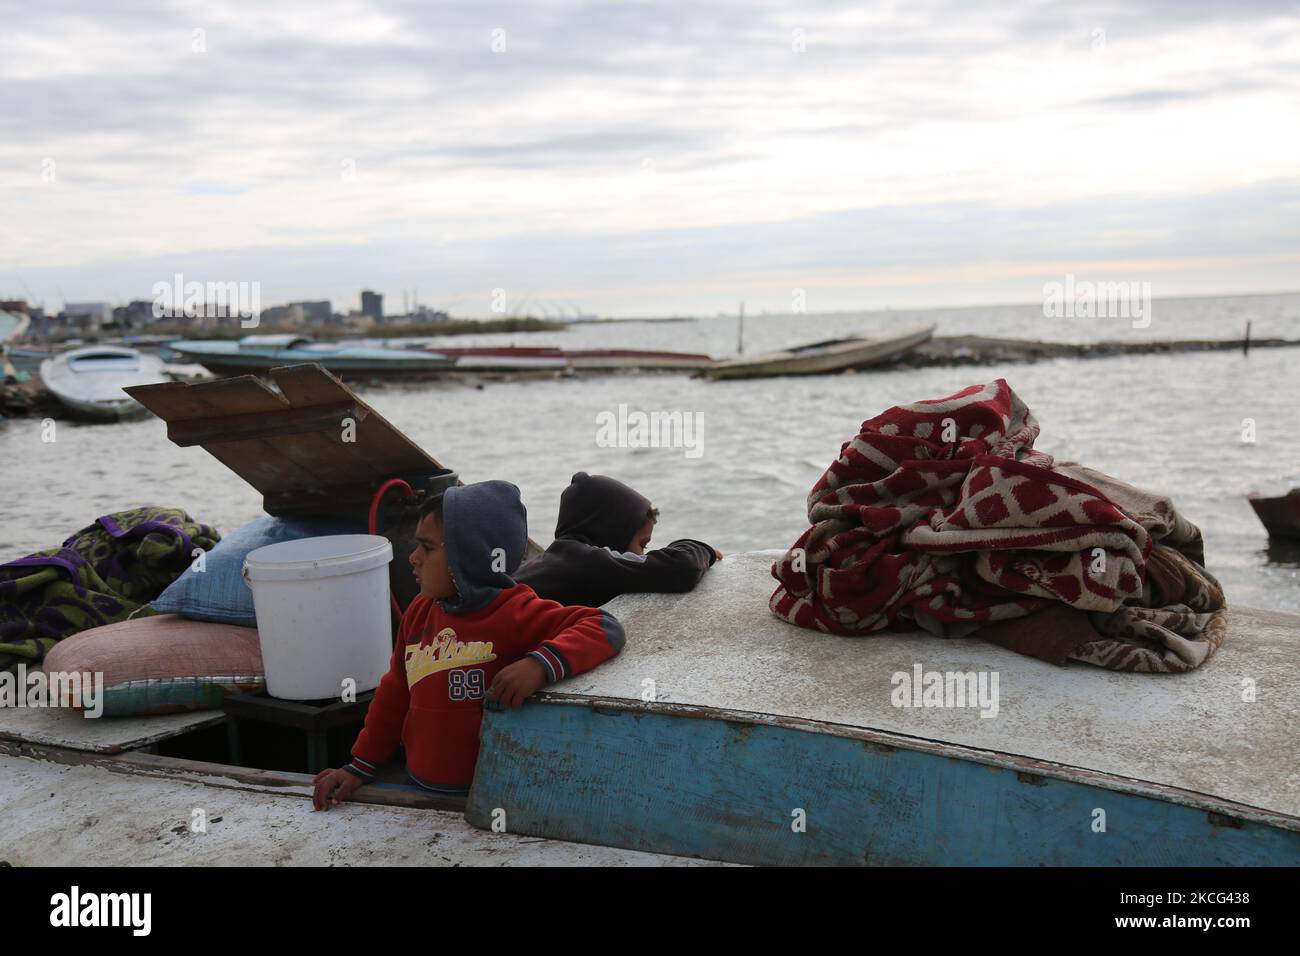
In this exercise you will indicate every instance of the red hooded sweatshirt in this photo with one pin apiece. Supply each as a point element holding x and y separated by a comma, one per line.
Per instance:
<point>448,651</point>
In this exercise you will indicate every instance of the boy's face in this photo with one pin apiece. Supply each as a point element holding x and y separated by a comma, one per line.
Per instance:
<point>429,559</point>
<point>641,540</point>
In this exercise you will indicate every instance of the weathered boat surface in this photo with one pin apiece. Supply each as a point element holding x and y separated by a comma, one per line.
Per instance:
<point>65,727</point>
<point>1281,515</point>
<point>141,812</point>
<point>90,381</point>
<point>819,358</point>
<point>256,354</point>
<point>751,720</point>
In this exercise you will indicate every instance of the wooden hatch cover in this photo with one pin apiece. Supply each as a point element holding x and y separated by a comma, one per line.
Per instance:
<point>312,448</point>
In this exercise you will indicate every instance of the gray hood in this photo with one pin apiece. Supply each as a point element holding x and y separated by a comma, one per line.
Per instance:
<point>485,532</point>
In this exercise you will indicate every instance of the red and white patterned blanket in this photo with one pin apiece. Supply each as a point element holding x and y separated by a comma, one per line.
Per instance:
<point>941,514</point>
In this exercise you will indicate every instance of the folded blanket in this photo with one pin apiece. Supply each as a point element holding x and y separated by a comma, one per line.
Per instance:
<point>104,573</point>
<point>940,514</point>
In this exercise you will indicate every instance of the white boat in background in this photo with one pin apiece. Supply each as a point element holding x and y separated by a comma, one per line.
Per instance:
<point>89,381</point>
<point>820,358</point>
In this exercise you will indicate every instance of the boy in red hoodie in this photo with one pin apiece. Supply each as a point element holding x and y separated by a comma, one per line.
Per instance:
<point>472,633</point>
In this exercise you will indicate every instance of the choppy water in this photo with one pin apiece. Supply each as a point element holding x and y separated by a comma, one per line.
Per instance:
<point>1171,423</point>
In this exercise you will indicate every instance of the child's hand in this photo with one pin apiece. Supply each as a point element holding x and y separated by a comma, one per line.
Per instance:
<point>517,682</point>
<point>717,555</point>
<point>333,786</point>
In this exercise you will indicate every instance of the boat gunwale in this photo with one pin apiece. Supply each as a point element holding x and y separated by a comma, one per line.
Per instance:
<point>222,776</point>
<point>1032,766</point>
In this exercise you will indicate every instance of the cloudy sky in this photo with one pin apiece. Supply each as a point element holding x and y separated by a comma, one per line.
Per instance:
<point>648,158</point>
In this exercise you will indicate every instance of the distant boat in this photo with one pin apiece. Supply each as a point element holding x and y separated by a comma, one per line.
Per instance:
<point>89,381</point>
<point>27,358</point>
<point>609,359</point>
<point>258,354</point>
<point>1281,516</point>
<point>523,358</point>
<point>505,358</point>
<point>820,358</point>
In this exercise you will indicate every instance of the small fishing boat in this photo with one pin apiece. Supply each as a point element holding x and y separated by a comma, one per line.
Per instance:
<point>27,358</point>
<point>505,358</point>
<point>258,354</point>
<point>90,380</point>
<point>613,359</point>
<point>819,762</point>
<point>1281,516</point>
<point>820,358</point>
<point>521,358</point>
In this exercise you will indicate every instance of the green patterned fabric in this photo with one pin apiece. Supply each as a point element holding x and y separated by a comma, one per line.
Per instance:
<point>105,573</point>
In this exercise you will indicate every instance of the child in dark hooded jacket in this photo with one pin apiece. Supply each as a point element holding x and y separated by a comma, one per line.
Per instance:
<point>471,633</point>
<point>599,548</point>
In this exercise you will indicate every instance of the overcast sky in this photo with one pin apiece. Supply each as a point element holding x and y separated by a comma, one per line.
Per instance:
<point>648,158</point>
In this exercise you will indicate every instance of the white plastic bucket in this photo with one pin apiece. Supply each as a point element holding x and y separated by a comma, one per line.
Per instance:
<point>322,613</point>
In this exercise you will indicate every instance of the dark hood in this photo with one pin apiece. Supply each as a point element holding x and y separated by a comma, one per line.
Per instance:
<point>477,519</point>
<point>600,511</point>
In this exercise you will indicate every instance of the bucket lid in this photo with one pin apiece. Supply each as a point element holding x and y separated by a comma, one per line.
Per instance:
<point>323,557</point>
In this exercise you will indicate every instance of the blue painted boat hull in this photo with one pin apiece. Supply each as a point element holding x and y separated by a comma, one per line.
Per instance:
<point>736,790</point>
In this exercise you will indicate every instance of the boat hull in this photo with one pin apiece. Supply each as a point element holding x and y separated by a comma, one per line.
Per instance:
<point>98,394</point>
<point>724,732</point>
<point>848,357</point>
<point>1281,516</point>
<point>756,789</point>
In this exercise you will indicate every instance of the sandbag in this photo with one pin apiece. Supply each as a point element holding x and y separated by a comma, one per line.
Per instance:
<point>162,664</point>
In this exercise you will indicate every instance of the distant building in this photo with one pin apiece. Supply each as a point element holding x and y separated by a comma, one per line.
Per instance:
<point>372,305</point>
<point>275,315</point>
<point>313,313</point>
<point>134,315</point>
<point>85,316</point>
<point>425,314</point>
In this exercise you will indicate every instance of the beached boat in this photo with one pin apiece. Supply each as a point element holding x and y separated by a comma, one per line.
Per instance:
<point>522,358</point>
<point>820,358</point>
<point>1281,516</point>
<point>760,743</point>
<point>90,381</point>
<point>506,358</point>
<point>258,354</point>
<point>614,359</point>
<point>28,358</point>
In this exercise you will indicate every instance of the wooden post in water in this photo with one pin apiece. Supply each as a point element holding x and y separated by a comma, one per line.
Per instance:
<point>740,332</point>
<point>1245,345</point>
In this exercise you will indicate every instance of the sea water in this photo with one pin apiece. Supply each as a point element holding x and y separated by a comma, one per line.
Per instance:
<point>1206,428</point>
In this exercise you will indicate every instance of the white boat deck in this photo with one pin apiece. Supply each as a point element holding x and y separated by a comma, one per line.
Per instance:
<point>92,816</point>
<point>720,648</point>
<point>63,727</point>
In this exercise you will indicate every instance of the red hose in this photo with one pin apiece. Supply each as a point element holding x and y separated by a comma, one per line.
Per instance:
<point>373,524</point>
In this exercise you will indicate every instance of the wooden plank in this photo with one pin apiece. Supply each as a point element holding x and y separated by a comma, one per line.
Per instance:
<point>767,794</point>
<point>251,425</point>
<point>171,401</point>
<point>377,440</point>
